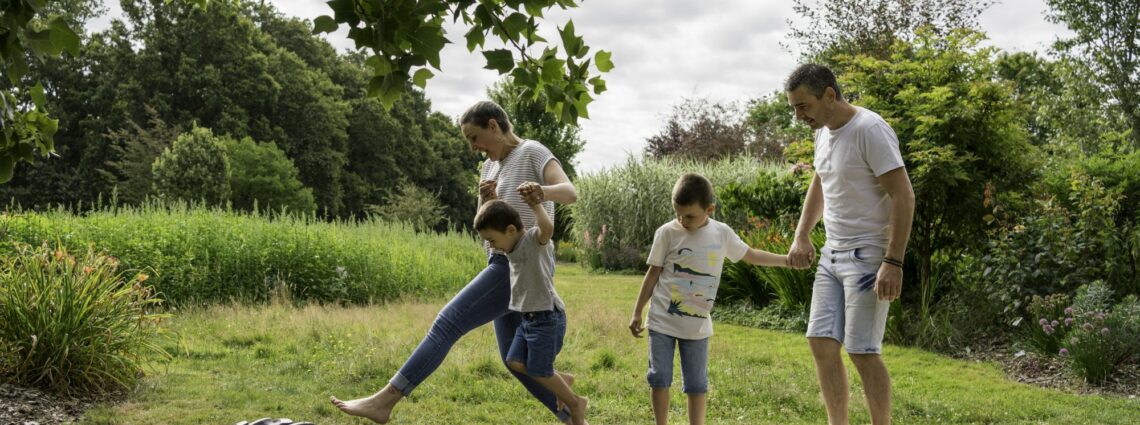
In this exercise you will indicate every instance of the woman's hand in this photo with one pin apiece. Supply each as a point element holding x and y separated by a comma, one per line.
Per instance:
<point>487,190</point>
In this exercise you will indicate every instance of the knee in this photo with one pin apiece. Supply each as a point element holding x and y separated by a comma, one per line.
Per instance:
<point>824,348</point>
<point>516,366</point>
<point>865,359</point>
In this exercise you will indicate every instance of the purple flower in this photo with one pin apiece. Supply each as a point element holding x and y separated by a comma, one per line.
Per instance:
<point>1068,311</point>
<point>1088,327</point>
<point>1048,330</point>
<point>1043,322</point>
<point>1104,331</point>
<point>1055,323</point>
<point>1099,316</point>
<point>1063,352</point>
<point>1068,321</point>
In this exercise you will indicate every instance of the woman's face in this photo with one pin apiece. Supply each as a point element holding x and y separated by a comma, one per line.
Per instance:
<point>486,140</point>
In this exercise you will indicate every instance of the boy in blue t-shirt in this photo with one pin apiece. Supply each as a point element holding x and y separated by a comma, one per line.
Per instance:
<point>684,273</point>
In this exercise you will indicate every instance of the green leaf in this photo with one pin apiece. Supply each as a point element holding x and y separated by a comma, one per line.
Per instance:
<point>515,24</point>
<point>570,42</point>
<point>533,9</point>
<point>552,69</point>
<point>475,38</point>
<point>345,11</point>
<point>500,60</point>
<point>38,97</point>
<point>40,43</point>
<point>323,24</point>
<point>380,65</point>
<point>364,37</point>
<point>63,37</point>
<point>602,59</point>
<point>17,68</point>
<point>7,166</point>
<point>392,88</point>
<point>421,77</point>
<point>599,85</point>
<point>427,41</point>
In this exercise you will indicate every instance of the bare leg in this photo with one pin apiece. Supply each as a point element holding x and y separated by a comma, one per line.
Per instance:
<point>661,405</point>
<point>876,385</point>
<point>377,407</point>
<point>569,378</point>
<point>558,386</point>
<point>832,378</point>
<point>697,405</point>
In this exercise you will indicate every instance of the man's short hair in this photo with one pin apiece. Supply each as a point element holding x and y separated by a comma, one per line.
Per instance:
<point>497,215</point>
<point>482,112</point>
<point>815,77</point>
<point>693,188</point>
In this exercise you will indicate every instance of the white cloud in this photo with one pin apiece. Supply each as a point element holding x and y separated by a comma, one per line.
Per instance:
<point>664,50</point>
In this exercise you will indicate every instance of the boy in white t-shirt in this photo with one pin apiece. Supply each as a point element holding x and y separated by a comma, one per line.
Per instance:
<point>684,273</point>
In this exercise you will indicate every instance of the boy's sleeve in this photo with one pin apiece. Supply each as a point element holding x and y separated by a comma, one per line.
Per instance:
<point>881,149</point>
<point>734,247</point>
<point>659,249</point>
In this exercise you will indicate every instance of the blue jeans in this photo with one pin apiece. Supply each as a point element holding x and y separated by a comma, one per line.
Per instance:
<point>538,341</point>
<point>694,362</point>
<point>484,299</point>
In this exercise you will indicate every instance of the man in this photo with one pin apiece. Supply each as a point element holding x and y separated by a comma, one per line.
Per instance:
<point>862,192</point>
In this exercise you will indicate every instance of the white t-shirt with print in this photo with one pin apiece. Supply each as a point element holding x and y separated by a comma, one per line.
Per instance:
<point>849,161</point>
<point>683,298</point>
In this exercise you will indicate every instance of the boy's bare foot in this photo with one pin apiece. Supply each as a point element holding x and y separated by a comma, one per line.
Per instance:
<point>377,407</point>
<point>569,378</point>
<point>578,411</point>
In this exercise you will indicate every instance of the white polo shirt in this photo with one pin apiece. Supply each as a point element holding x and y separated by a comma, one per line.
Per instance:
<point>849,161</point>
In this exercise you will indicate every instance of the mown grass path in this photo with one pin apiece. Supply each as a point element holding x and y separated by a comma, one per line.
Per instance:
<point>242,363</point>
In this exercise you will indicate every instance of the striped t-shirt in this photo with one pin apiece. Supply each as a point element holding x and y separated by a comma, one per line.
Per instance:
<point>523,164</point>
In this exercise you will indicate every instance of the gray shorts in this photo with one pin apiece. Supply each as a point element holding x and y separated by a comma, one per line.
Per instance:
<point>844,306</point>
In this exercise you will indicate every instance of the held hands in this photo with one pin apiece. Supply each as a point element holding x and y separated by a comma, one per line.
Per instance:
<point>531,193</point>
<point>888,283</point>
<point>487,190</point>
<point>636,326</point>
<point>801,255</point>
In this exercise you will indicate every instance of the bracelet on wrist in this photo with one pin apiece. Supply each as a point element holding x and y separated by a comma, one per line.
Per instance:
<point>893,262</point>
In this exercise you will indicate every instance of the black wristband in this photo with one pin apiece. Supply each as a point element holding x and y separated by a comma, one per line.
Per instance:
<point>893,262</point>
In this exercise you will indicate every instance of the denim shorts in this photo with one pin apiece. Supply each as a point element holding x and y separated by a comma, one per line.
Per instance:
<point>844,305</point>
<point>694,362</point>
<point>538,340</point>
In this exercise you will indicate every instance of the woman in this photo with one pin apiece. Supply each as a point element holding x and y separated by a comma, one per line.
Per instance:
<point>510,162</point>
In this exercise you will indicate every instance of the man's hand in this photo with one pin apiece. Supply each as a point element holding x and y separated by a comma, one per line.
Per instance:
<point>636,326</point>
<point>802,254</point>
<point>888,283</point>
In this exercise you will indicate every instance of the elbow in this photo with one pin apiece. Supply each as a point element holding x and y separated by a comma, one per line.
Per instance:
<point>571,195</point>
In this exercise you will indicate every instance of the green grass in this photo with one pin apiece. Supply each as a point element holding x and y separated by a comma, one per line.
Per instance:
<point>241,363</point>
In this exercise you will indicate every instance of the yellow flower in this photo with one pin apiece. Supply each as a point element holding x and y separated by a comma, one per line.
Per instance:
<point>143,277</point>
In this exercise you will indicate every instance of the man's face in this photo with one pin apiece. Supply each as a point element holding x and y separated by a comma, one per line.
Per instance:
<point>811,110</point>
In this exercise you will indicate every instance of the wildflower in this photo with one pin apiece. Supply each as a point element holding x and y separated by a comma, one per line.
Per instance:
<point>143,277</point>
<point>1048,330</point>
<point>87,269</point>
<point>1068,321</point>
<point>1063,352</point>
<point>1088,327</point>
<point>1073,340</point>
<point>1055,323</point>
<point>1104,331</point>
<point>587,241</point>
<point>1068,311</point>
<point>1043,322</point>
<point>1099,316</point>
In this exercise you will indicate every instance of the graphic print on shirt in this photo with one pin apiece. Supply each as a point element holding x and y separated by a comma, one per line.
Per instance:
<point>694,293</point>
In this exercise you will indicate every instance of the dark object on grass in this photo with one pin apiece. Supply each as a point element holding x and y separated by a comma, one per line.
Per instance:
<point>271,421</point>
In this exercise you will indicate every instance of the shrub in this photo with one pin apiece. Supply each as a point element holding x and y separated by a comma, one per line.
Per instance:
<point>263,176</point>
<point>194,168</point>
<point>412,205</point>
<point>788,288</point>
<point>1051,319</point>
<point>202,255</point>
<point>1102,338</point>
<point>74,325</point>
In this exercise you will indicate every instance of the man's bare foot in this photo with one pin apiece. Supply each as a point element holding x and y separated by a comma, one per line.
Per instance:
<point>578,410</point>
<point>569,378</point>
<point>377,407</point>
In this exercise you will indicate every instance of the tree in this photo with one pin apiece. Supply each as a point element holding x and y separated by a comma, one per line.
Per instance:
<point>1108,38</point>
<point>135,150</point>
<point>959,133</point>
<point>701,130</point>
<point>413,205</point>
<point>406,37</point>
<point>262,175</point>
<point>194,168</point>
<point>771,121</point>
<point>871,27</point>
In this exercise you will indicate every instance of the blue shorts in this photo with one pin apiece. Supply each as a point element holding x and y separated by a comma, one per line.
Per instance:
<point>844,306</point>
<point>537,341</point>
<point>694,362</point>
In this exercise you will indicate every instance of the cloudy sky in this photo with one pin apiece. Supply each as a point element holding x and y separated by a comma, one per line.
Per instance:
<point>667,50</point>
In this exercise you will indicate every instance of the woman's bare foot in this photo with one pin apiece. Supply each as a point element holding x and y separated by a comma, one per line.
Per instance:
<point>569,378</point>
<point>377,407</point>
<point>578,410</point>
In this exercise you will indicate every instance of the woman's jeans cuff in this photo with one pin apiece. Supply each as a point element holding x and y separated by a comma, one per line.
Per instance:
<point>402,384</point>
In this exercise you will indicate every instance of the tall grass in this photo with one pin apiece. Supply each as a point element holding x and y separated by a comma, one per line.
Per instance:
<point>200,255</point>
<point>633,200</point>
<point>74,325</point>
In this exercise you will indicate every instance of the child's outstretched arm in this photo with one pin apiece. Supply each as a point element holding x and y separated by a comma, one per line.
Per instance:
<point>636,326</point>
<point>761,257</point>
<point>545,226</point>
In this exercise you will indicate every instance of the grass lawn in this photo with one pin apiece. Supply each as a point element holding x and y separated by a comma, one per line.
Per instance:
<point>239,363</point>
